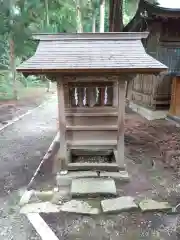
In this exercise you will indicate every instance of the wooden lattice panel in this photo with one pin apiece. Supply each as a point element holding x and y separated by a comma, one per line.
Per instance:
<point>90,94</point>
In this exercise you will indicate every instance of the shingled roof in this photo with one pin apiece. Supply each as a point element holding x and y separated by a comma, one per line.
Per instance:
<point>107,52</point>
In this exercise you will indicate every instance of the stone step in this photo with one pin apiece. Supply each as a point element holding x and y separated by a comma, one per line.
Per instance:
<point>93,187</point>
<point>64,179</point>
<point>120,175</point>
<point>152,205</point>
<point>120,204</point>
<point>46,207</point>
<point>93,206</point>
<point>81,207</point>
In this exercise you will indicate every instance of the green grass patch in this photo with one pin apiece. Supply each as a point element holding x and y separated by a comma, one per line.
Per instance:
<point>25,86</point>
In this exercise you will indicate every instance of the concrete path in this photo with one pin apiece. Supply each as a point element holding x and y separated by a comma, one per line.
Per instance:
<point>22,146</point>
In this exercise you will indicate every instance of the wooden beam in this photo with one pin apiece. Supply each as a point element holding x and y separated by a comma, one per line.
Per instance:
<point>119,71</point>
<point>92,152</point>
<point>92,128</point>
<point>120,132</point>
<point>80,166</point>
<point>62,126</point>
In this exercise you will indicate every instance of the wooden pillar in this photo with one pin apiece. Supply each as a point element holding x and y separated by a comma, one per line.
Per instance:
<point>66,96</point>
<point>172,109</point>
<point>102,95</point>
<point>121,116</point>
<point>91,91</point>
<point>154,91</point>
<point>62,155</point>
<point>115,94</point>
<point>80,91</point>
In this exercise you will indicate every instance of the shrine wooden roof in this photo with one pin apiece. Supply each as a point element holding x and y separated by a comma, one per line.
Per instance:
<point>93,52</point>
<point>166,8</point>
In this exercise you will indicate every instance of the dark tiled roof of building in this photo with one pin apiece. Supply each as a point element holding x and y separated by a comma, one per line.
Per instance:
<point>152,10</point>
<point>88,51</point>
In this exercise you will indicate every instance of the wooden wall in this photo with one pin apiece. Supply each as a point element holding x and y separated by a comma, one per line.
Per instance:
<point>154,92</point>
<point>175,99</point>
<point>150,91</point>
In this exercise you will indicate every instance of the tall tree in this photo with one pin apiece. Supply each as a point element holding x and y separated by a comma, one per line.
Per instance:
<point>12,50</point>
<point>115,15</point>
<point>102,15</point>
<point>78,16</point>
<point>47,12</point>
<point>93,9</point>
<point>47,27</point>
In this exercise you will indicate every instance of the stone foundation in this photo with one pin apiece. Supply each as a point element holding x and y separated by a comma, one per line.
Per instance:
<point>147,113</point>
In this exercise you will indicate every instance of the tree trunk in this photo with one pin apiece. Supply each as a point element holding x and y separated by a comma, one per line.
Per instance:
<point>102,15</point>
<point>79,17</point>
<point>13,68</point>
<point>94,22</point>
<point>115,15</point>
<point>47,27</point>
<point>79,23</point>
<point>47,12</point>
<point>12,55</point>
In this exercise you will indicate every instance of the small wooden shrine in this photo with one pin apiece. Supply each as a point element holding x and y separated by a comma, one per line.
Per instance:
<point>91,70</point>
<point>163,43</point>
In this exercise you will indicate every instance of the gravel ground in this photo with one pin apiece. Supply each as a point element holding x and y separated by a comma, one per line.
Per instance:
<point>144,142</point>
<point>22,146</point>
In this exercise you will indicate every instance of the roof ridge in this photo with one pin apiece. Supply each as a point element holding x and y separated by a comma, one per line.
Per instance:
<point>91,36</point>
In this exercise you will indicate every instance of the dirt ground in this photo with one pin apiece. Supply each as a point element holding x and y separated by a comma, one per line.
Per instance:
<point>157,140</point>
<point>153,175</point>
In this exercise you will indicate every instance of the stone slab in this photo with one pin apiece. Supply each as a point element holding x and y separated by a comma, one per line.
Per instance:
<point>74,174</point>
<point>63,194</point>
<point>152,205</point>
<point>80,207</point>
<point>120,204</point>
<point>93,187</point>
<point>121,175</point>
<point>63,180</point>
<point>45,207</point>
<point>44,195</point>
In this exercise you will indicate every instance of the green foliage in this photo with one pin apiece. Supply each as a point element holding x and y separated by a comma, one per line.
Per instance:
<point>6,89</point>
<point>20,18</point>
